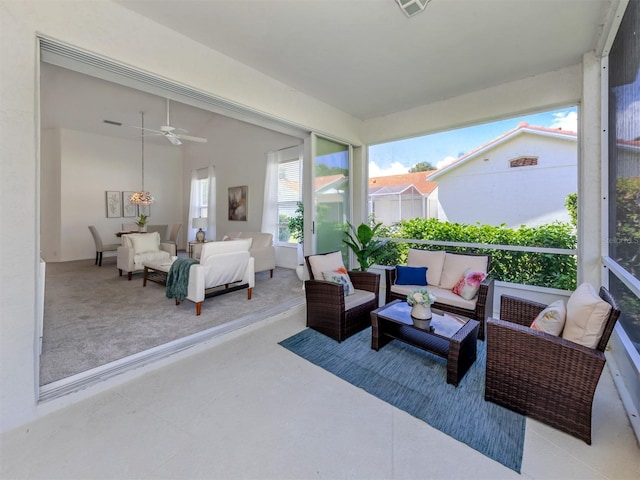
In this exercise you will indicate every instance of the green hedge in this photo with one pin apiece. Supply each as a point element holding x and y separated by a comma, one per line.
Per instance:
<point>546,270</point>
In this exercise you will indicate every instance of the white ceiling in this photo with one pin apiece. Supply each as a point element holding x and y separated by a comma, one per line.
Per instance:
<point>81,102</point>
<point>367,58</point>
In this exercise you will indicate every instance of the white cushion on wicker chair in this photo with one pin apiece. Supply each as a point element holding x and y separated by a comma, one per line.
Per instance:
<point>324,263</point>
<point>587,315</point>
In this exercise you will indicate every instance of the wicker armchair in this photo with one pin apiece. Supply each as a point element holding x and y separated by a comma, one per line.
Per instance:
<point>542,376</point>
<point>328,311</point>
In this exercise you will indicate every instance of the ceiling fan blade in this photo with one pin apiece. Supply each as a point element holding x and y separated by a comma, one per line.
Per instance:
<point>173,139</point>
<point>192,139</point>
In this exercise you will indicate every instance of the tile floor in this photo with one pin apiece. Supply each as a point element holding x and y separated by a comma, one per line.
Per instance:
<point>248,408</point>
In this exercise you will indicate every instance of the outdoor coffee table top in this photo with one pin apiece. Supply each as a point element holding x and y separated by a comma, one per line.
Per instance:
<point>443,324</point>
<point>450,336</point>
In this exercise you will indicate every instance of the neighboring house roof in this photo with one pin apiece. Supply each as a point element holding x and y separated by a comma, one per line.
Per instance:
<point>521,129</point>
<point>418,179</point>
<point>328,182</point>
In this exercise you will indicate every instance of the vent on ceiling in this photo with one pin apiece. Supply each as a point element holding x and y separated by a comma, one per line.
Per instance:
<point>411,7</point>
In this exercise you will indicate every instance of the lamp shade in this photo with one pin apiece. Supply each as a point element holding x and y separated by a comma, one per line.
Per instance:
<point>200,222</point>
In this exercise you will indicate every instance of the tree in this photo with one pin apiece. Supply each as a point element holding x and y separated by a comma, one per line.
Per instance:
<point>421,167</point>
<point>571,203</point>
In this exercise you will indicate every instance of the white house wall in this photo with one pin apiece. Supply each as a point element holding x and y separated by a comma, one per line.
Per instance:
<point>486,190</point>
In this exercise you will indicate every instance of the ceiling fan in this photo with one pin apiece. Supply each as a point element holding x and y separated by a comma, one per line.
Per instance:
<point>168,131</point>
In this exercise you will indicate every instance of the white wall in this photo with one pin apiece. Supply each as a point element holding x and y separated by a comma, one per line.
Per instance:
<point>531,195</point>
<point>90,165</point>
<point>238,152</point>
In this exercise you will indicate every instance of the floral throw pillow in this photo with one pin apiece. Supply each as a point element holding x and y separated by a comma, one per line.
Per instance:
<point>340,276</point>
<point>468,286</point>
<point>551,319</point>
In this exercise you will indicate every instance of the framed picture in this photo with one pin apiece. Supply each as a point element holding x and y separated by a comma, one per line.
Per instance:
<point>144,210</point>
<point>238,203</point>
<point>114,205</point>
<point>128,210</point>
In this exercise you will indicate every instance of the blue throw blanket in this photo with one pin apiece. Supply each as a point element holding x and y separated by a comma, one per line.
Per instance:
<point>178,278</point>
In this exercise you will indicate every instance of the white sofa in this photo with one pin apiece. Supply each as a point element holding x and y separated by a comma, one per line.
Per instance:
<point>138,248</point>
<point>224,267</point>
<point>444,271</point>
<point>262,249</point>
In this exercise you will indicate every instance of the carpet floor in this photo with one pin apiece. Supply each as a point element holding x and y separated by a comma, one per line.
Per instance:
<point>415,381</point>
<point>92,316</point>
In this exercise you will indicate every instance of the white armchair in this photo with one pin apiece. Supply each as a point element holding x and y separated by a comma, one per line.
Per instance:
<point>262,249</point>
<point>224,267</point>
<point>138,248</point>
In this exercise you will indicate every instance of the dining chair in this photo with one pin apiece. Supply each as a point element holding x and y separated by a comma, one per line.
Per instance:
<point>101,247</point>
<point>173,236</point>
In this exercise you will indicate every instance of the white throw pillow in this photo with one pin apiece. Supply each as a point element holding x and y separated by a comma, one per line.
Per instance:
<point>325,263</point>
<point>145,242</point>
<point>433,260</point>
<point>551,319</point>
<point>455,266</point>
<point>587,315</point>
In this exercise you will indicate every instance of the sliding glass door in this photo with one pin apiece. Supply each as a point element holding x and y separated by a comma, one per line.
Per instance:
<point>331,194</point>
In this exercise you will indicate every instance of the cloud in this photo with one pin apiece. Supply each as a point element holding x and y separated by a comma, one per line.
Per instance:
<point>396,168</point>
<point>445,162</point>
<point>566,121</point>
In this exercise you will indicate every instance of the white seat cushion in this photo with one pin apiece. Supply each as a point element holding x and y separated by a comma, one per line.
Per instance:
<point>587,315</point>
<point>442,295</point>
<point>358,298</point>
<point>153,257</point>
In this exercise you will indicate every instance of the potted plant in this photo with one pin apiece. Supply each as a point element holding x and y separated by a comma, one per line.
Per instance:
<point>362,243</point>
<point>296,228</point>
<point>420,302</point>
<point>142,223</point>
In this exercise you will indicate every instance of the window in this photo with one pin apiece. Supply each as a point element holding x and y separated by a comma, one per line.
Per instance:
<point>289,194</point>
<point>624,168</point>
<point>203,197</point>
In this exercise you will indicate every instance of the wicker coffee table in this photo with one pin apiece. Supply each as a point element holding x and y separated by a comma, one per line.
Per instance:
<point>450,336</point>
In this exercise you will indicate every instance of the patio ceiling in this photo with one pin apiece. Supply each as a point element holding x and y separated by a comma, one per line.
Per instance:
<point>368,59</point>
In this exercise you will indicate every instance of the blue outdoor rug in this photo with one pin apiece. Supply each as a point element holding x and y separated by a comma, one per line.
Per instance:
<point>416,382</point>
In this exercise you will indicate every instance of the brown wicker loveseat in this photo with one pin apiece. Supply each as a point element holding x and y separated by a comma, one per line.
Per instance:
<point>540,375</point>
<point>329,311</point>
<point>443,270</point>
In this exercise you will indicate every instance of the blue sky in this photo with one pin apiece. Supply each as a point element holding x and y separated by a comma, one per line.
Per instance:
<point>440,149</point>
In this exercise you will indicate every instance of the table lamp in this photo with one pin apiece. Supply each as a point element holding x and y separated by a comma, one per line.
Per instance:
<point>199,223</point>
